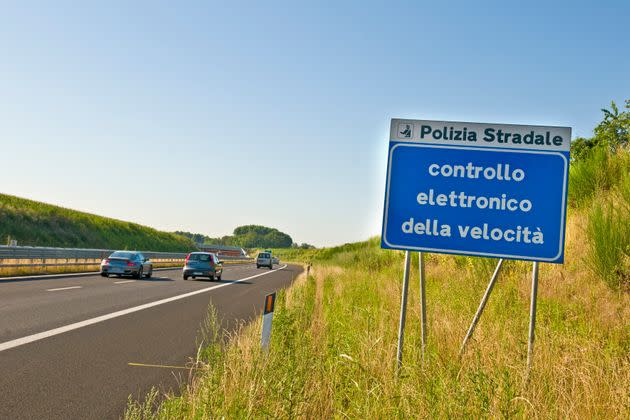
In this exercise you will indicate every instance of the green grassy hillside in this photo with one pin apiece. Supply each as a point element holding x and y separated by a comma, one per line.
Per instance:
<point>40,224</point>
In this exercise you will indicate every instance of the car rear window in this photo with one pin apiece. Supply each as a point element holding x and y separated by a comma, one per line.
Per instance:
<point>200,257</point>
<point>263,255</point>
<point>122,254</point>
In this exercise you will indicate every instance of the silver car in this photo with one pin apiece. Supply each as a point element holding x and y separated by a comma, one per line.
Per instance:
<point>264,259</point>
<point>202,264</point>
<point>127,263</point>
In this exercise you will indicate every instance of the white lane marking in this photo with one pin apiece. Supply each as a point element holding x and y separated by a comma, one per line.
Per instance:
<point>124,281</point>
<point>60,330</point>
<point>64,288</point>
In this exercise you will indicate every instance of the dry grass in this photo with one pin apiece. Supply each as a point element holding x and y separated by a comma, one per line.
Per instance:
<point>334,345</point>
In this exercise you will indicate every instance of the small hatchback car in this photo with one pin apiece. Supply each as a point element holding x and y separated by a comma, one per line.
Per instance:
<point>264,259</point>
<point>127,263</point>
<point>203,264</point>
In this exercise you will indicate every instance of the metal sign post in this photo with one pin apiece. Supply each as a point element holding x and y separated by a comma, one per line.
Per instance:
<point>423,307</point>
<point>477,189</point>
<point>481,307</point>
<point>532,318</point>
<point>270,303</point>
<point>403,310</point>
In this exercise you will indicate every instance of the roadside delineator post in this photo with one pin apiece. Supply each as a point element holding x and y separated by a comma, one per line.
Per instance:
<point>270,303</point>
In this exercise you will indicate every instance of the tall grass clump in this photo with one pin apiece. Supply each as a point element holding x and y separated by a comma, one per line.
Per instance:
<point>601,170</point>
<point>600,184</point>
<point>609,237</point>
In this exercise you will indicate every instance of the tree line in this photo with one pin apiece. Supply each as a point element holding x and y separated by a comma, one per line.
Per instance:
<point>249,236</point>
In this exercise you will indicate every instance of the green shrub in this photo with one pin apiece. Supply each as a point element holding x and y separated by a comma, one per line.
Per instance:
<point>582,147</point>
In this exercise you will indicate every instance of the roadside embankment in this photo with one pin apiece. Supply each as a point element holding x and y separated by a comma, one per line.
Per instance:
<point>333,345</point>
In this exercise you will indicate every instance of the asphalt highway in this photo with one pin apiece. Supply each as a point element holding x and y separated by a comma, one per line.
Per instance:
<point>66,343</point>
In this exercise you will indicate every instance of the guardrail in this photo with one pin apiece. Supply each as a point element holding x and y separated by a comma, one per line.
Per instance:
<point>32,256</point>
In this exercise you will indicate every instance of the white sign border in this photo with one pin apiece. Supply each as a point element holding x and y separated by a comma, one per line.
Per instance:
<point>472,253</point>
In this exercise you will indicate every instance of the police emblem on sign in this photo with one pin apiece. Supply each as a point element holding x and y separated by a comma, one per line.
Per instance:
<point>405,131</point>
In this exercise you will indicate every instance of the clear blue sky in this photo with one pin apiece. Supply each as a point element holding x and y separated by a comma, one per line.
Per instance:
<point>210,116</point>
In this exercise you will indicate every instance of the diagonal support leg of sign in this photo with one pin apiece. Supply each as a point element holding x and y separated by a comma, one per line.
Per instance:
<point>481,307</point>
<point>423,306</point>
<point>403,310</point>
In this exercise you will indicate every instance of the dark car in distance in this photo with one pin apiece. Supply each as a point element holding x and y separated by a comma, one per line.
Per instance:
<point>202,264</point>
<point>127,263</point>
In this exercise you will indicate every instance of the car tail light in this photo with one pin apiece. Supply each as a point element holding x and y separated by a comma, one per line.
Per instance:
<point>187,258</point>
<point>130,264</point>
<point>106,261</point>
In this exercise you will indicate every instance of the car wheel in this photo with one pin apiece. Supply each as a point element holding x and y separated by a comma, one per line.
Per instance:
<point>139,274</point>
<point>211,277</point>
<point>257,267</point>
<point>104,275</point>
<point>219,277</point>
<point>185,277</point>
<point>271,267</point>
<point>149,274</point>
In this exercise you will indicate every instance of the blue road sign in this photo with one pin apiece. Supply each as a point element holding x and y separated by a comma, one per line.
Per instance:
<point>477,189</point>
